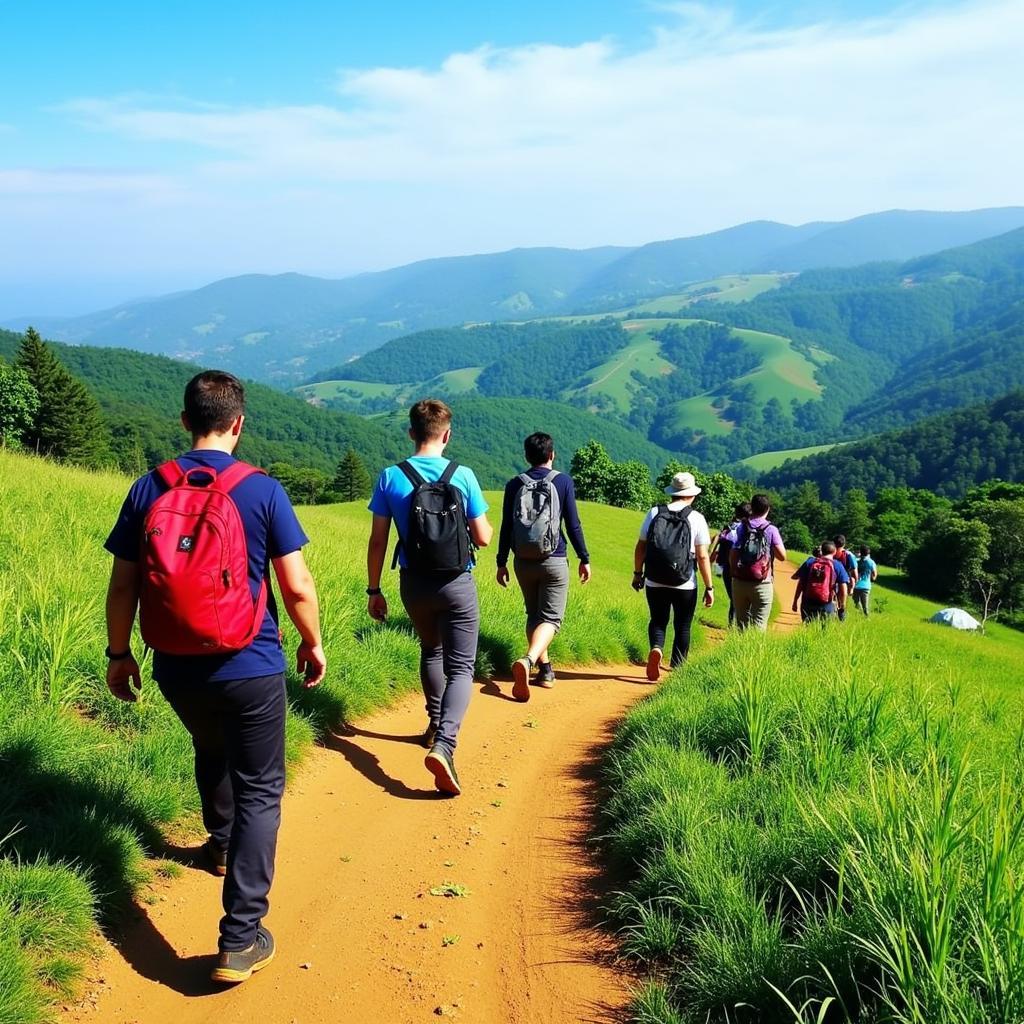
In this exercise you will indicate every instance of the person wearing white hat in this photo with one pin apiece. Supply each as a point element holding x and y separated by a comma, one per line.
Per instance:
<point>673,546</point>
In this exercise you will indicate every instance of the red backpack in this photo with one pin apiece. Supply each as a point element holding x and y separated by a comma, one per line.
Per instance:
<point>821,580</point>
<point>195,596</point>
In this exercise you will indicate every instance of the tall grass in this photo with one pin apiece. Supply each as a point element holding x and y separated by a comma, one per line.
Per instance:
<point>90,787</point>
<point>826,827</point>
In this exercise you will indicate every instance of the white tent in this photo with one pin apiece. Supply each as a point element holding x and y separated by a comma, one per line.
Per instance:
<point>955,617</point>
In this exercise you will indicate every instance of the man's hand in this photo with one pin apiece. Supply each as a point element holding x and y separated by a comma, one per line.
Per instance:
<point>311,664</point>
<point>638,581</point>
<point>122,675</point>
<point>377,607</point>
<point>794,606</point>
<point>584,572</point>
<point>502,576</point>
<point>709,598</point>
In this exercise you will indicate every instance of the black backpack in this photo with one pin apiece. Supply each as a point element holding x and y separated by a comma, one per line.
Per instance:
<point>669,559</point>
<point>437,539</point>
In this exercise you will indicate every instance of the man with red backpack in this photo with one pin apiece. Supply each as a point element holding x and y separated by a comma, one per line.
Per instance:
<point>757,546</point>
<point>193,547</point>
<point>821,582</point>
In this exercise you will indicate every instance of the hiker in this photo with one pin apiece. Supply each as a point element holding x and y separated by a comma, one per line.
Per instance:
<point>721,548</point>
<point>192,547</point>
<point>758,545</point>
<point>674,539</point>
<point>867,573</point>
<point>821,584</point>
<point>537,504</point>
<point>844,558</point>
<point>440,515</point>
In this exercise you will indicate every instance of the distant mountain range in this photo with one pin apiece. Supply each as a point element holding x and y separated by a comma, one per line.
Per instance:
<point>285,328</point>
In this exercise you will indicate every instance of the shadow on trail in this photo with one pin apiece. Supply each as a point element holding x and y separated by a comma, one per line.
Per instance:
<point>368,765</point>
<point>582,898</point>
<point>152,956</point>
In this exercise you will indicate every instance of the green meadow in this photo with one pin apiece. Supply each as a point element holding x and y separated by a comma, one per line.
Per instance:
<point>764,461</point>
<point>614,377</point>
<point>826,826</point>
<point>731,288</point>
<point>94,790</point>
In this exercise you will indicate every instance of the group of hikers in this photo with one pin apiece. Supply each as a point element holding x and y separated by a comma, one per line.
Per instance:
<point>197,539</point>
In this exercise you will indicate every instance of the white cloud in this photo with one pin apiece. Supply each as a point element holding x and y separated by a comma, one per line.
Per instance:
<point>715,121</point>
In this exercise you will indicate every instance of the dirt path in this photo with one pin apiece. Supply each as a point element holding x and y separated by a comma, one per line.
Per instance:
<point>785,588</point>
<point>360,937</point>
<point>365,838</point>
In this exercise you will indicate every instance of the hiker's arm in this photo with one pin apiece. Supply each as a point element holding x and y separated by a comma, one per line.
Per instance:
<point>298,592</point>
<point>874,575</point>
<point>639,557</point>
<point>841,594</point>
<point>574,530</point>
<point>799,590</point>
<point>779,552</point>
<point>122,603</point>
<point>376,552</point>
<point>505,535</point>
<point>481,531</point>
<point>704,565</point>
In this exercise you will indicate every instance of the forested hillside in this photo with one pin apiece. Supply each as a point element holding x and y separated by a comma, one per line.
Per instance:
<point>140,396</point>
<point>946,454</point>
<point>287,327</point>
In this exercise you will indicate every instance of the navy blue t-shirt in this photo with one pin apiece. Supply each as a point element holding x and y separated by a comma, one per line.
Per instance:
<point>570,516</point>
<point>271,530</point>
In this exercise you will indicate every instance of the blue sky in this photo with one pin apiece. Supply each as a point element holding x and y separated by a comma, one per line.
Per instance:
<point>146,148</point>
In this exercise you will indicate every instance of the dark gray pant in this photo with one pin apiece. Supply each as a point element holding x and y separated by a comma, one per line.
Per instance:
<point>237,730</point>
<point>446,616</point>
<point>545,587</point>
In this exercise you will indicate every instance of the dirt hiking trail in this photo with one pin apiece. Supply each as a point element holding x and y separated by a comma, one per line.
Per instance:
<point>360,938</point>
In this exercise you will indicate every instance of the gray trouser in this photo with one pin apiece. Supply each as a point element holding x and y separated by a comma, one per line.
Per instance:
<point>862,599</point>
<point>753,603</point>
<point>446,616</point>
<point>545,587</point>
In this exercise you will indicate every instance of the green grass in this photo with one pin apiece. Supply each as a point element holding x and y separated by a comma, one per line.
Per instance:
<point>731,288</point>
<point>764,461</point>
<point>355,390</point>
<point>826,826</point>
<point>784,373</point>
<point>93,789</point>
<point>613,378</point>
<point>456,382</point>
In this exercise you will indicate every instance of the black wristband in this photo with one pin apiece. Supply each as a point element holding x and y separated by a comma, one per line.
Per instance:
<point>111,656</point>
<point>373,591</point>
<point>638,572</point>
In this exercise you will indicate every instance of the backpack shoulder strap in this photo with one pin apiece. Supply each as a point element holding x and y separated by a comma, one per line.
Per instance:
<point>170,473</point>
<point>525,479</point>
<point>552,473</point>
<point>449,472</point>
<point>411,474</point>
<point>234,475</point>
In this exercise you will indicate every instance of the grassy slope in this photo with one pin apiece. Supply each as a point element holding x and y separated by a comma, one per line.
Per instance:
<point>732,288</point>
<point>764,461</point>
<point>882,757</point>
<point>97,785</point>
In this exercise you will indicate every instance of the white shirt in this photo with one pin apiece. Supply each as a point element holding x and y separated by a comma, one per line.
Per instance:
<point>699,534</point>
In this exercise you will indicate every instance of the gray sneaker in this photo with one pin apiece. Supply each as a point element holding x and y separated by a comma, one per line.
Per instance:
<point>429,735</point>
<point>238,965</point>
<point>442,767</point>
<point>545,675</point>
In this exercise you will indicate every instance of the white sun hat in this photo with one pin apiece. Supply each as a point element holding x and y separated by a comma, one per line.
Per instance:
<point>683,485</point>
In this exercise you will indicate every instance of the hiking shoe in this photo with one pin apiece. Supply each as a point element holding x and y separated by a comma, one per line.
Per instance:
<point>429,735</point>
<point>654,665</point>
<point>441,766</point>
<point>521,680</point>
<point>545,675</point>
<point>238,965</point>
<point>216,856</point>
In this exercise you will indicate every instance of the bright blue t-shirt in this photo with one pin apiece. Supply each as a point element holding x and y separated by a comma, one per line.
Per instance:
<point>392,495</point>
<point>865,567</point>
<point>271,531</point>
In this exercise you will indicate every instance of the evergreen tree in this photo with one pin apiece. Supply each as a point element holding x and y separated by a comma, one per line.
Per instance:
<point>68,423</point>
<point>351,481</point>
<point>19,402</point>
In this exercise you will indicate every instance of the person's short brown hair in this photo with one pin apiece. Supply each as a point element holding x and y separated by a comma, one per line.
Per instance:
<point>429,419</point>
<point>760,505</point>
<point>213,401</point>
